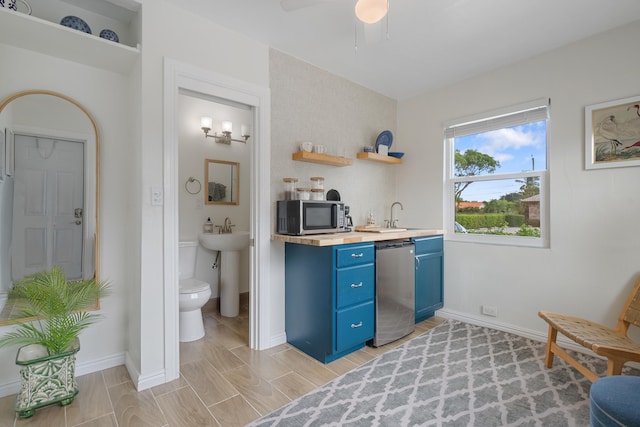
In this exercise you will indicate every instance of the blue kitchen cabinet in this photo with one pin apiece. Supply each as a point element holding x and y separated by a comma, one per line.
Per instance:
<point>329,298</point>
<point>429,258</point>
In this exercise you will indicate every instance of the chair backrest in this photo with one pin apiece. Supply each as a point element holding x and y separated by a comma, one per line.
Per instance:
<point>630,313</point>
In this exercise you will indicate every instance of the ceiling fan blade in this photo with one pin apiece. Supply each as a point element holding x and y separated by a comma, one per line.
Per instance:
<point>291,5</point>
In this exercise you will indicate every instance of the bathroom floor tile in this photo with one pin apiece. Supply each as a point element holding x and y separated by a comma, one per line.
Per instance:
<point>135,409</point>
<point>255,389</point>
<point>92,402</point>
<point>208,383</point>
<point>293,385</point>
<point>234,412</point>
<point>309,368</point>
<point>268,366</point>
<point>182,408</point>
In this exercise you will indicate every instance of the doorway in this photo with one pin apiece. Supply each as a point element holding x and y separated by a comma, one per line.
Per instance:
<point>181,77</point>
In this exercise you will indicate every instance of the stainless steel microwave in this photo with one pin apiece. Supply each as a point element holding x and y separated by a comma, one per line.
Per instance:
<point>299,217</point>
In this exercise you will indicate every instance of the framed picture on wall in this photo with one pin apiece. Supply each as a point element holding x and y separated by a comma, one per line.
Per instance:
<point>612,134</point>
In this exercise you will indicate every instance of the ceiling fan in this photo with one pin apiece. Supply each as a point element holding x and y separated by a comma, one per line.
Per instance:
<point>368,11</point>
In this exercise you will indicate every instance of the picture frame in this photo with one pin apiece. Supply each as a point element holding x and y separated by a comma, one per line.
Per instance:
<point>612,134</point>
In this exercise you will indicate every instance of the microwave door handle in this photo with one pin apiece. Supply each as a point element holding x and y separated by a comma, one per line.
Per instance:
<point>334,215</point>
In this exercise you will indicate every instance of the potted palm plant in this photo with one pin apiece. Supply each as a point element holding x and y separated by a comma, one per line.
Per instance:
<point>56,312</point>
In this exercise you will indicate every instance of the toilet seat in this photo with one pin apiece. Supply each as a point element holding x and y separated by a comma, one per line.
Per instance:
<point>190,286</point>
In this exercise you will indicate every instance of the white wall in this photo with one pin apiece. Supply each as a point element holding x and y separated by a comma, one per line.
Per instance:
<point>104,94</point>
<point>594,253</point>
<point>170,32</point>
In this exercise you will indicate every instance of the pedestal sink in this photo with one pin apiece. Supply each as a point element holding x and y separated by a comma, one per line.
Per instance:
<point>229,245</point>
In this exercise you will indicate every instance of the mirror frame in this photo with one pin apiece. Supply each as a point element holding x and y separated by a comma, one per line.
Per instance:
<point>94,124</point>
<point>207,162</point>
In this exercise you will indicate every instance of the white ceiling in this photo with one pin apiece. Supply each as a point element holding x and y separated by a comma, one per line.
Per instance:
<point>432,43</point>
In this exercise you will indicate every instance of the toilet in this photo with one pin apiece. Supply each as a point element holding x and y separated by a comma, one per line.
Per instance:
<point>194,294</point>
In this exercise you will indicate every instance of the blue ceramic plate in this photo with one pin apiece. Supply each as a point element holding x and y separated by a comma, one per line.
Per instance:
<point>397,154</point>
<point>385,138</point>
<point>75,23</point>
<point>109,35</point>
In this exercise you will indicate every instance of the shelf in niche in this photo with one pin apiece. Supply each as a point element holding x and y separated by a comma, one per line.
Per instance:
<point>325,159</point>
<point>49,38</point>
<point>378,158</point>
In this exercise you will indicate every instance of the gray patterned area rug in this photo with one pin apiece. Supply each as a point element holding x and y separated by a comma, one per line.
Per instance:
<point>456,374</point>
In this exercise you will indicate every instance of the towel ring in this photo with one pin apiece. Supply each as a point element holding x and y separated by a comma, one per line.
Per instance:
<point>191,180</point>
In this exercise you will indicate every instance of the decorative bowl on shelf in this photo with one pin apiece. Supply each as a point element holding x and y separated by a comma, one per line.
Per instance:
<point>396,154</point>
<point>75,23</point>
<point>109,35</point>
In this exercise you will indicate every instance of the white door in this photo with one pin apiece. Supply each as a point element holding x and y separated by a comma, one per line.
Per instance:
<point>48,206</point>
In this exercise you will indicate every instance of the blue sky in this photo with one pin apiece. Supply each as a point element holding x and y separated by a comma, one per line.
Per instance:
<point>514,148</point>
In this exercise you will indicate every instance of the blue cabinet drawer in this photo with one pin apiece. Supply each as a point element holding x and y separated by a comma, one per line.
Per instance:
<point>347,255</point>
<point>354,326</point>
<point>428,244</point>
<point>355,285</point>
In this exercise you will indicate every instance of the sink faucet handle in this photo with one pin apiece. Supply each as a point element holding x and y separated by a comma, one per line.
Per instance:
<point>386,223</point>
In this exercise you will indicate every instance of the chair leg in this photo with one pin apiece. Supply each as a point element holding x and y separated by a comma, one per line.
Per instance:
<point>548,359</point>
<point>614,367</point>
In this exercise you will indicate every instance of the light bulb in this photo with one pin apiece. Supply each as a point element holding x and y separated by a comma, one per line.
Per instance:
<point>206,122</point>
<point>371,11</point>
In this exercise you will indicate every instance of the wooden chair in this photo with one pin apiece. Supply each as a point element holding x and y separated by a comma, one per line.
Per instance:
<point>612,343</point>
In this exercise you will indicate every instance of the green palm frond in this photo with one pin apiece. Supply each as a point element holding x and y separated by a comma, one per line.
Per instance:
<point>57,306</point>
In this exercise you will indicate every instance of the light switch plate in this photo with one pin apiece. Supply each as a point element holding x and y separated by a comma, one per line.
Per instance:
<point>156,197</point>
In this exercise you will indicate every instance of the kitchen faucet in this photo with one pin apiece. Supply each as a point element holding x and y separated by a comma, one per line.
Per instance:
<point>392,222</point>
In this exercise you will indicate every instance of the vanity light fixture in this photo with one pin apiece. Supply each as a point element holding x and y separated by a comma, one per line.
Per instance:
<point>227,128</point>
<point>371,11</point>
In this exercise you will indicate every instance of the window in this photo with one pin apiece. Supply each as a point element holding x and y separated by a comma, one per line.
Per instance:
<point>496,176</point>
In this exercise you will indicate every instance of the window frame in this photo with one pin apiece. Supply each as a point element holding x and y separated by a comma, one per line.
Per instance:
<point>493,120</point>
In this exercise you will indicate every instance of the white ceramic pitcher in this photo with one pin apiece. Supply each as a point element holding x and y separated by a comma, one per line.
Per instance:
<point>13,5</point>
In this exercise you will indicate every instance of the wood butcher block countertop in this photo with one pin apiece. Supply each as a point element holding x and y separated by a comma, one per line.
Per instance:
<point>353,237</point>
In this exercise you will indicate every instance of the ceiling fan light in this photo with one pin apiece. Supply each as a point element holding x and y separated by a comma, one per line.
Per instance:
<point>371,11</point>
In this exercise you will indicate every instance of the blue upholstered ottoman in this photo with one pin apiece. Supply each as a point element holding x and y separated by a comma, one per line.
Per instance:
<point>615,401</point>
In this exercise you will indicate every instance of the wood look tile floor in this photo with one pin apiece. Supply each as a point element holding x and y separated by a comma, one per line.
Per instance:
<point>222,383</point>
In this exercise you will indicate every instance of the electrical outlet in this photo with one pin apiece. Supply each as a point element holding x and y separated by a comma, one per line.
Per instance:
<point>490,310</point>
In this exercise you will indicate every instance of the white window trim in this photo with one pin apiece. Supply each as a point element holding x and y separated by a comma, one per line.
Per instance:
<point>449,213</point>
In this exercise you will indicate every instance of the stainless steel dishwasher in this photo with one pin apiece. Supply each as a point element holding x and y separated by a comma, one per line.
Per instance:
<point>395,290</point>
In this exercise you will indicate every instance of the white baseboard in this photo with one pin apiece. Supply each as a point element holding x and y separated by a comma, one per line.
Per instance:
<point>100,364</point>
<point>7,389</point>
<point>84,368</point>
<point>513,329</point>
<point>143,382</point>
<point>277,339</point>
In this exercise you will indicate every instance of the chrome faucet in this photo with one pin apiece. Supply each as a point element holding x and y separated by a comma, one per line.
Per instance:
<point>393,222</point>
<point>226,228</point>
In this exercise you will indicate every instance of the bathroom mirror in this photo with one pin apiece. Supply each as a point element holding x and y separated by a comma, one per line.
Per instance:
<point>223,182</point>
<point>48,190</point>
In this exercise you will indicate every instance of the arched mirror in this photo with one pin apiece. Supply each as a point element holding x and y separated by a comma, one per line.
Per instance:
<point>48,189</point>
<point>223,182</point>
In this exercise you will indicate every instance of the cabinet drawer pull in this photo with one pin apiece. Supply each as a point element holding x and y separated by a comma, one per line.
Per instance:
<point>356,285</point>
<point>360,255</point>
<point>354,326</point>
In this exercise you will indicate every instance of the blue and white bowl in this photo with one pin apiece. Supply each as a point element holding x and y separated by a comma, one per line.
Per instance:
<point>75,23</point>
<point>109,35</point>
